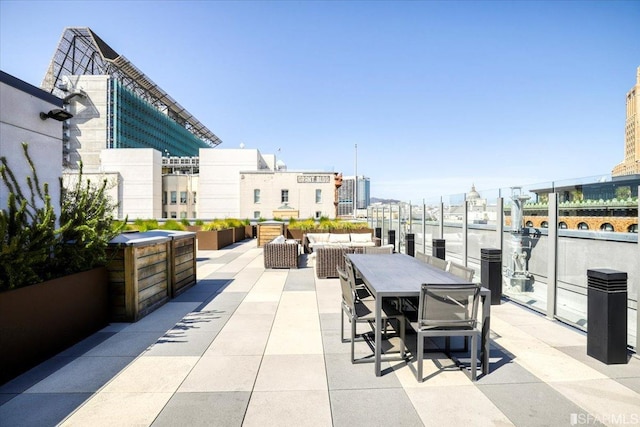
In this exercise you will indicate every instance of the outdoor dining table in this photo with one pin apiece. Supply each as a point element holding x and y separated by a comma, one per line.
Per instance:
<point>400,275</point>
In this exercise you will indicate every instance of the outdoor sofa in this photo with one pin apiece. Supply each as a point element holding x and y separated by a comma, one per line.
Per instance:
<point>315,240</point>
<point>281,253</point>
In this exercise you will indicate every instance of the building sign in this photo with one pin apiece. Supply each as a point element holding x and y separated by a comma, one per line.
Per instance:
<point>314,179</point>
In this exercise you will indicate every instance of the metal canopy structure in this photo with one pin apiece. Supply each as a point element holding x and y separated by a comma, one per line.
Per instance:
<point>81,52</point>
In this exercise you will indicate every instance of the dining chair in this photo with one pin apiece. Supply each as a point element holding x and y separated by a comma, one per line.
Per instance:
<point>363,311</point>
<point>357,282</point>
<point>439,263</point>
<point>423,257</point>
<point>384,249</point>
<point>461,271</point>
<point>448,311</point>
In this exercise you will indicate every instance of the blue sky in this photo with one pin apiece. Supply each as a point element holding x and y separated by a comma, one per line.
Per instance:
<point>436,95</point>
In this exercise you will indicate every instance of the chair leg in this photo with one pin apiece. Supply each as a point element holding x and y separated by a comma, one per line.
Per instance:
<point>401,321</point>
<point>353,340</point>
<point>420,352</point>
<point>341,325</point>
<point>474,356</point>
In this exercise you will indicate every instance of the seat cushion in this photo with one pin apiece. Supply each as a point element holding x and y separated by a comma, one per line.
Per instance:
<point>339,238</point>
<point>361,238</point>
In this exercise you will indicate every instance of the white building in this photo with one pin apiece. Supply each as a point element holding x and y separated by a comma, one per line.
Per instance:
<point>287,194</point>
<point>20,107</point>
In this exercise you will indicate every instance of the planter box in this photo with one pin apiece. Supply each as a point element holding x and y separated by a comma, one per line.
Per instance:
<point>39,321</point>
<point>295,234</point>
<point>238,234</point>
<point>214,239</point>
<point>139,275</point>
<point>250,231</point>
<point>269,230</point>
<point>182,260</point>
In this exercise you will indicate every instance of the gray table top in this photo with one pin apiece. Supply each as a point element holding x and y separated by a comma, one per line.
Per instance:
<point>398,274</point>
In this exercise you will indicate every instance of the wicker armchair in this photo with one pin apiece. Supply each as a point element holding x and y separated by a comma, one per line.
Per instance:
<point>281,255</point>
<point>329,258</point>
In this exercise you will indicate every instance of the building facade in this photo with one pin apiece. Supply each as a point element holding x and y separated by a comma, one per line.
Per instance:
<point>287,194</point>
<point>20,122</point>
<point>349,192</point>
<point>158,159</point>
<point>631,163</point>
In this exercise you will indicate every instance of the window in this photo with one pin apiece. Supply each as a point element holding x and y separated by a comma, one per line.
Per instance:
<point>173,215</point>
<point>183,197</point>
<point>183,214</point>
<point>318,196</point>
<point>256,214</point>
<point>174,197</point>
<point>318,214</point>
<point>633,228</point>
<point>562,225</point>
<point>164,214</point>
<point>606,227</point>
<point>194,199</point>
<point>194,215</point>
<point>544,224</point>
<point>583,226</point>
<point>164,197</point>
<point>284,196</point>
<point>256,195</point>
<point>529,224</point>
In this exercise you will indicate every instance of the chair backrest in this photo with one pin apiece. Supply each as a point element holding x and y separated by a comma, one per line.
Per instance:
<point>385,249</point>
<point>438,262</point>
<point>423,257</point>
<point>347,290</point>
<point>461,271</point>
<point>448,306</point>
<point>351,273</point>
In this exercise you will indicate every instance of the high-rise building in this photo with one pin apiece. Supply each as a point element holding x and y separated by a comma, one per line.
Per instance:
<point>631,163</point>
<point>347,193</point>
<point>115,105</point>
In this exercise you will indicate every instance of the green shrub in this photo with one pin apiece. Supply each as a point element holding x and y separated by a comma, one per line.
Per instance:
<point>145,224</point>
<point>185,222</point>
<point>86,213</point>
<point>233,223</point>
<point>216,224</point>
<point>172,224</point>
<point>32,249</point>
<point>305,225</point>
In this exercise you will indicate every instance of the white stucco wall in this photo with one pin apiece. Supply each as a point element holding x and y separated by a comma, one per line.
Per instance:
<point>301,186</point>
<point>20,122</point>
<point>219,183</point>
<point>140,184</point>
<point>88,128</point>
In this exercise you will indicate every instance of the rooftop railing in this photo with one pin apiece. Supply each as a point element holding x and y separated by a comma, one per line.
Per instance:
<point>544,267</point>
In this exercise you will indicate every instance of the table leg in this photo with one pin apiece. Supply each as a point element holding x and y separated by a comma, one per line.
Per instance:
<point>378,337</point>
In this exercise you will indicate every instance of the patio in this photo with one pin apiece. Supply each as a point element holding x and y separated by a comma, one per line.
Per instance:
<point>254,347</point>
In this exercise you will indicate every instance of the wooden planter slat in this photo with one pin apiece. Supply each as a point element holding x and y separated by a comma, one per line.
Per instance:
<point>269,230</point>
<point>153,292</point>
<point>153,269</point>
<point>182,260</point>
<point>138,276</point>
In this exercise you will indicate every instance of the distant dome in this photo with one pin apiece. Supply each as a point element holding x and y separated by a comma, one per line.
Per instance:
<point>280,165</point>
<point>473,194</point>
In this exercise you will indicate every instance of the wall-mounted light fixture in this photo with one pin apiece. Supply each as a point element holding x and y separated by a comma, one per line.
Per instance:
<point>56,114</point>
